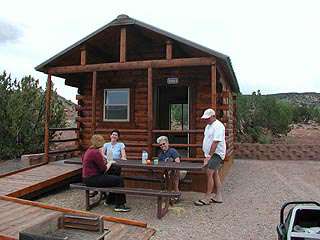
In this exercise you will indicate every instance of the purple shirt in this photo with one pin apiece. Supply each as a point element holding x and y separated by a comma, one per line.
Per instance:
<point>92,163</point>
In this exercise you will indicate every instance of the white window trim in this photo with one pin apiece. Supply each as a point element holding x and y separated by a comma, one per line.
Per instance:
<point>105,104</point>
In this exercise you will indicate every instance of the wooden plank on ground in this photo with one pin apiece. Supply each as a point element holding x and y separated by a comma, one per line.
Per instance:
<point>21,214</point>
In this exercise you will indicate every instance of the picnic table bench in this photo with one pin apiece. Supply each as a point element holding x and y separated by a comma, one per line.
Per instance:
<point>162,196</point>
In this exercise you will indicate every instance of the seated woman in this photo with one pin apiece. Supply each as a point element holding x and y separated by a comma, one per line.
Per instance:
<point>95,173</point>
<point>170,154</point>
<point>114,150</point>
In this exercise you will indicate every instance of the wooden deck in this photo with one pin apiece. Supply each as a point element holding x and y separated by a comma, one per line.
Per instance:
<point>24,182</point>
<point>17,215</point>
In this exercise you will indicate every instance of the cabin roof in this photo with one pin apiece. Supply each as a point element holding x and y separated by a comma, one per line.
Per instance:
<point>122,20</point>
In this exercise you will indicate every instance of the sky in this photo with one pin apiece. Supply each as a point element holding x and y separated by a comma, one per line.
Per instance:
<point>274,45</point>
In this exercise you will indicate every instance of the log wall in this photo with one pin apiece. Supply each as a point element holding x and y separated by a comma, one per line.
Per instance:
<point>134,133</point>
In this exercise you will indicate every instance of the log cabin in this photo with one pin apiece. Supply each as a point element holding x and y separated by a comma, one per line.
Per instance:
<point>146,82</point>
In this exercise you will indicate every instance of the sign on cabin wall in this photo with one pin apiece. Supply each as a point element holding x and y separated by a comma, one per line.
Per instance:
<point>172,80</point>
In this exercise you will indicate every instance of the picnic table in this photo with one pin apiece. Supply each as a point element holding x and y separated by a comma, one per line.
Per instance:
<point>163,196</point>
<point>189,166</point>
<point>162,166</point>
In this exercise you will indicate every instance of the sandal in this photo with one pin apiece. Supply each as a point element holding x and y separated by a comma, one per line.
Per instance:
<point>93,194</point>
<point>202,202</point>
<point>212,200</point>
<point>175,199</point>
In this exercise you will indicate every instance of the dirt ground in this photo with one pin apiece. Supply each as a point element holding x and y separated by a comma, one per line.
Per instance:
<point>303,134</point>
<point>253,192</point>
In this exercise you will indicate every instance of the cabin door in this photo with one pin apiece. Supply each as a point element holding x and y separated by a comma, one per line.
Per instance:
<point>173,114</point>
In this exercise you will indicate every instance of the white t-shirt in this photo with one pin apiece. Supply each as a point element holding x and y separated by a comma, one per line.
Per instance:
<point>214,132</point>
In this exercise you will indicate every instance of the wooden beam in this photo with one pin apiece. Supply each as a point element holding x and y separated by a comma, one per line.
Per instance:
<point>178,131</point>
<point>5,237</point>
<point>213,87</point>
<point>83,60</point>
<point>47,119</point>
<point>168,50</point>
<point>150,112</point>
<point>180,62</point>
<point>104,130</point>
<point>123,40</point>
<point>94,93</point>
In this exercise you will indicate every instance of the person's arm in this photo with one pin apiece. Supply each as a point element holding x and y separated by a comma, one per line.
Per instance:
<point>213,147</point>
<point>123,152</point>
<point>108,165</point>
<point>98,159</point>
<point>176,156</point>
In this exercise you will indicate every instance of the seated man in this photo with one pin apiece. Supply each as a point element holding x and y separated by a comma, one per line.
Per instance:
<point>170,154</point>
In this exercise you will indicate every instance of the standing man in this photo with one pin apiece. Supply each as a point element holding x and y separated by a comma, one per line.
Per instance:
<point>214,149</point>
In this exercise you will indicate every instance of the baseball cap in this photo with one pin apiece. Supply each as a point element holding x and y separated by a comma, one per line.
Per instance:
<point>208,113</point>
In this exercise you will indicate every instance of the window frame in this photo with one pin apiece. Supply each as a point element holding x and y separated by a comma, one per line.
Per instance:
<point>105,92</point>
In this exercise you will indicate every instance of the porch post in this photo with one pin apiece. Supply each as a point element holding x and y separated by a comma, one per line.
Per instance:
<point>93,102</point>
<point>234,117</point>
<point>150,112</point>
<point>123,40</point>
<point>213,87</point>
<point>47,119</point>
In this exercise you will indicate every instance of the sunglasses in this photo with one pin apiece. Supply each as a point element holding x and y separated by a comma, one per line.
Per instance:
<point>162,144</point>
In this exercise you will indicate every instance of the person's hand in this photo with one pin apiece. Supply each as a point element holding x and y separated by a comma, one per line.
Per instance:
<point>205,161</point>
<point>109,165</point>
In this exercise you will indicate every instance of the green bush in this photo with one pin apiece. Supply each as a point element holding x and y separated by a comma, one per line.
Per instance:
<point>261,117</point>
<point>315,114</point>
<point>304,113</point>
<point>22,110</point>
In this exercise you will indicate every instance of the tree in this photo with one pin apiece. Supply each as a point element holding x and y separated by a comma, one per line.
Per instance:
<point>261,117</point>
<point>22,116</point>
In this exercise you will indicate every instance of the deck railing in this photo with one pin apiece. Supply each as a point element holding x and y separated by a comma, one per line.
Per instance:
<point>65,150</point>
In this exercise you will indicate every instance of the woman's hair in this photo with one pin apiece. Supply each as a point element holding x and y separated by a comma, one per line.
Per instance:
<point>116,131</point>
<point>97,141</point>
<point>162,138</point>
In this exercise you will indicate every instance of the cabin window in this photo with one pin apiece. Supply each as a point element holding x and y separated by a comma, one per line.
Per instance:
<point>116,104</point>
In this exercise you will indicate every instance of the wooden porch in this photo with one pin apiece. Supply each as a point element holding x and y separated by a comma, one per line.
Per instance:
<point>18,214</point>
<point>37,178</point>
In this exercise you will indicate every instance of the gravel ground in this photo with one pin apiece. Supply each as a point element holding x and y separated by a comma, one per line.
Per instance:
<point>253,194</point>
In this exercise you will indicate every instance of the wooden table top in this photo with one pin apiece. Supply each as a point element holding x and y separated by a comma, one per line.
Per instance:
<point>189,166</point>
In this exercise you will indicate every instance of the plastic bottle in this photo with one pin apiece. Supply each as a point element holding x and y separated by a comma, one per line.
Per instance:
<point>144,156</point>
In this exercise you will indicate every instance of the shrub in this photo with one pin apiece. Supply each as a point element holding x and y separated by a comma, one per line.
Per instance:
<point>260,117</point>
